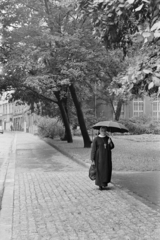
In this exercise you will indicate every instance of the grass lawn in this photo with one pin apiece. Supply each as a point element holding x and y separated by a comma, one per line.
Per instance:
<point>131,152</point>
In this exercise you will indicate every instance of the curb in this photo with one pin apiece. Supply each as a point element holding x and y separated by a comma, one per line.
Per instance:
<point>50,142</point>
<point>112,183</point>
<point>80,162</point>
<point>3,172</point>
<point>6,212</point>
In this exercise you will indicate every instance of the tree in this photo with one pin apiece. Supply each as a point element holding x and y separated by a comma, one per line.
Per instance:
<point>39,41</point>
<point>32,96</point>
<point>54,52</point>
<point>114,64</point>
<point>140,31</point>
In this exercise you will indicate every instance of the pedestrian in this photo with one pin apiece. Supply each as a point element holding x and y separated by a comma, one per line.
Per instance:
<point>101,156</point>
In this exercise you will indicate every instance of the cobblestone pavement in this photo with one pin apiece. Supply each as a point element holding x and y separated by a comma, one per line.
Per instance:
<point>61,203</point>
<point>67,206</point>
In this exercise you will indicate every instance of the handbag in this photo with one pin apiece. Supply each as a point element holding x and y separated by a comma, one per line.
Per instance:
<point>92,172</point>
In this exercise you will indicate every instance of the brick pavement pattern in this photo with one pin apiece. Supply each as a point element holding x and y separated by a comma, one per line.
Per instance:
<point>67,206</point>
<point>64,204</point>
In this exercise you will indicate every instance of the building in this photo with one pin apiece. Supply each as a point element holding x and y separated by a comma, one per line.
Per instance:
<point>17,117</point>
<point>20,118</point>
<point>138,107</point>
<point>6,112</point>
<point>24,119</point>
<point>135,108</point>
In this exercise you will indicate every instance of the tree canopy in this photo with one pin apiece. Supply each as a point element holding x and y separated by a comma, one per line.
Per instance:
<point>48,49</point>
<point>52,49</point>
<point>48,57</point>
<point>129,25</point>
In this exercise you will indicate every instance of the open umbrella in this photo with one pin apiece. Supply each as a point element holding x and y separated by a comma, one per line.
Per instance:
<point>111,126</point>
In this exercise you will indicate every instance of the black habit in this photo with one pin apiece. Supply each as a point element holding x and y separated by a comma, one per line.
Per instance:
<point>102,156</point>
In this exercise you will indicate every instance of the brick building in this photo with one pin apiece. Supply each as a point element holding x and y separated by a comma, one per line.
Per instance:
<point>135,108</point>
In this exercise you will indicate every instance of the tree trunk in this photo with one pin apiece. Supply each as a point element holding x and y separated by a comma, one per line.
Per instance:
<point>118,110</point>
<point>64,102</point>
<point>85,135</point>
<point>65,118</point>
<point>111,102</point>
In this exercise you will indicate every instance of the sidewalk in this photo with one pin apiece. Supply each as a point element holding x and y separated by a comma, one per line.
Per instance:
<point>7,171</point>
<point>51,197</point>
<point>131,152</point>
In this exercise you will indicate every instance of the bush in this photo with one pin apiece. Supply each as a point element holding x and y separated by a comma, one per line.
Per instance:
<point>156,128</point>
<point>143,119</point>
<point>49,127</point>
<point>77,132</point>
<point>141,125</point>
<point>135,128</point>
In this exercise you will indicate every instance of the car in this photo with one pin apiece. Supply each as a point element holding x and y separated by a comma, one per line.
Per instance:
<point>1,129</point>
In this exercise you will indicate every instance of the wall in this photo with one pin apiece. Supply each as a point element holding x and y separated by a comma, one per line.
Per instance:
<point>148,107</point>
<point>128,109</point>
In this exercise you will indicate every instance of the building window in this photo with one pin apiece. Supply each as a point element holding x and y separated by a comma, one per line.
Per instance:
<point>138,107</point>
<point>156,110</point>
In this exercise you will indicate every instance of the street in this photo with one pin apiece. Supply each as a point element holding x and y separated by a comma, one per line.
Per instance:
<point>49,196</point>
<point>142,184</point>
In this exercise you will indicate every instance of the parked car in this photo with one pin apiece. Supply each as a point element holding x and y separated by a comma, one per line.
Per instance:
<point>1,129</point>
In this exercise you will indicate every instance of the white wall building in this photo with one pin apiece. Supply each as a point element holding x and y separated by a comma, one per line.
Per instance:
<point>16,117</point>
<point>6,112</point>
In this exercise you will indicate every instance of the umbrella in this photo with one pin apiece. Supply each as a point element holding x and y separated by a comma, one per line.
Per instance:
<point>111,126</point>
